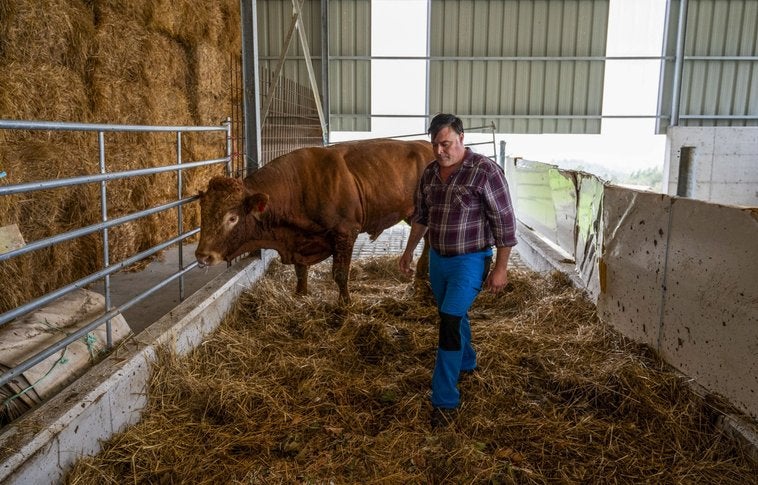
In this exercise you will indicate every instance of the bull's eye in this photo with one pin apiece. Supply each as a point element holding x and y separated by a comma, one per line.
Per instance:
<point>231,220</point>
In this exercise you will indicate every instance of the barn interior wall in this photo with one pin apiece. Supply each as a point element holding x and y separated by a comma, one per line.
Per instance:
<point>722,165</point>
<point>675,274</point>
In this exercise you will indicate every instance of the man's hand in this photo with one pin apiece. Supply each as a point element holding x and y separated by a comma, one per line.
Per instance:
<point>404,263</point>
<point>496,280</point>
<point>498,277</point>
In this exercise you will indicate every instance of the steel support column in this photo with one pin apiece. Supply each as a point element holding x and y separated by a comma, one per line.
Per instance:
<point>251,84</point>
<point>325,67</point>
<point>681,33</point>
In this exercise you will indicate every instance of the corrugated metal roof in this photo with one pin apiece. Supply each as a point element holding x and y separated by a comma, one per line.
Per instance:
<point>349,35</point>
<point>350,80</point>
<point>516,62</point>
<point>532,66</point>
<point>719,77</point>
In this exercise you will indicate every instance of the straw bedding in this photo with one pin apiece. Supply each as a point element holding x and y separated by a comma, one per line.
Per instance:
<point>296,390</point>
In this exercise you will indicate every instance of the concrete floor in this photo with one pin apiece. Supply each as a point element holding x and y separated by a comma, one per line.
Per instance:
<point>125,286</point>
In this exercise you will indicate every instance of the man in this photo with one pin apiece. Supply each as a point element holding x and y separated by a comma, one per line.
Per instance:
<point>463,202</point>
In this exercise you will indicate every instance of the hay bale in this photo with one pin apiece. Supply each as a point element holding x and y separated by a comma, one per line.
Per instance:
<point>118,84</point>
<point>55,32</point>
<point>42,91</point>
<point>190,21</point>
<point>45,213</point>
<point>165,70</point>
<point>106,61</point>
<point>212,73</point>
<point>140,193</point>
<point>294,389</point>
<point>230,37</point>
<point>136,10</point>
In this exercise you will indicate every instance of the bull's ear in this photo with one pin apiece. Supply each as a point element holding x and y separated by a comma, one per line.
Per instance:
<point>255,204</point>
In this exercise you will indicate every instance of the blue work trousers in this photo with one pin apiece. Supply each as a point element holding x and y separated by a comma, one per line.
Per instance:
<point>456,281</point>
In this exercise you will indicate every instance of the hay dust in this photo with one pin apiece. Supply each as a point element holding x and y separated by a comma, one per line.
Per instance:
<point>296,390</point>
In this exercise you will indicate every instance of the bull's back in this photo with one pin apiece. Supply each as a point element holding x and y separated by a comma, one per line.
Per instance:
<point>387,173</point>
<point>371,182</point>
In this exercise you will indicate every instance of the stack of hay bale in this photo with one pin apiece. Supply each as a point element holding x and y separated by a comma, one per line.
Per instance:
<point>129,62</point>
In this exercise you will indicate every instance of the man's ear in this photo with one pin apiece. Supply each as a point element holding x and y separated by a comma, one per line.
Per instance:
<point>255,204</point>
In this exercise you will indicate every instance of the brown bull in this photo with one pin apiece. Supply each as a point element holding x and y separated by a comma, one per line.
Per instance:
<point>312,203</point>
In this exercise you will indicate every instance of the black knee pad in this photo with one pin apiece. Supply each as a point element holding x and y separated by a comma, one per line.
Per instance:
<point>450,332</point>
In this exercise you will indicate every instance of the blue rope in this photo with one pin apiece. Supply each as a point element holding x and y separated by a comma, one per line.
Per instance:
<point>62,360</point>
<point>90,340</point>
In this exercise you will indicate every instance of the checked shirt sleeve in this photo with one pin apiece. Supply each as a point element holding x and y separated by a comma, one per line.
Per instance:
<point>499,208</point>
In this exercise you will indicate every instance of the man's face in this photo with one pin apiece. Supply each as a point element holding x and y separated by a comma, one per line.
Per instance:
<point>448,147</point>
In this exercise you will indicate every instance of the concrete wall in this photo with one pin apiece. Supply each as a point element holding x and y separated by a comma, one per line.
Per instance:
<point>677,274</point>
<point>723,164</point>
<point>681,276</point>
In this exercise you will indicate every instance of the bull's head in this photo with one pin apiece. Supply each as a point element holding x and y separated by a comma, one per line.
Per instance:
<point>226,209</point>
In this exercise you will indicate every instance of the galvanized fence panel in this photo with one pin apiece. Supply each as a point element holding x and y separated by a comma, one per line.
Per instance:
<point>106,223</point>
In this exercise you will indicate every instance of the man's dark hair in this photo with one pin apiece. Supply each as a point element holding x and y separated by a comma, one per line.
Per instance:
<point>442,120</point>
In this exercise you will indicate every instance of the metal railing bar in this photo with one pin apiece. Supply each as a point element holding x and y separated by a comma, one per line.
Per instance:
<point>482,58</point>
<point>467,129</point>
<point>84,231</point>
<point>103,225</point>
<point>106,243</point>
<point>553,117</point>
<point>521,58</point>
<point>42,355</point>
<point>509,116</point>
<point>722,58</point>
<point>229,151</point>
<point>718,117</point>
<point>81,283</point>
<point>67,182</point>
<point>489,127</point>
<point>71,126</point>
<point>179,212</point>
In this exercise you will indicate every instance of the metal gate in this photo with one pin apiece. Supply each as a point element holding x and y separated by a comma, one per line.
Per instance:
<point>11,382</point>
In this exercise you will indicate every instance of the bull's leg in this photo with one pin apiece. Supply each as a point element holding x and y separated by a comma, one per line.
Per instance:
<point>301,271</point>
<point>343,253</point>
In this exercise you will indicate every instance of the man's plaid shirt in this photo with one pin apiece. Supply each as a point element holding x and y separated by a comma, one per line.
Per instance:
<point>471,211</point>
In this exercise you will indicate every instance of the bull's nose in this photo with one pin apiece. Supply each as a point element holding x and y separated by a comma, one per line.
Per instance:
<point>203,259</point>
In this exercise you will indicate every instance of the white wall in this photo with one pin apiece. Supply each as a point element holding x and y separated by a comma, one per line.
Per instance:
<point>724,164</point>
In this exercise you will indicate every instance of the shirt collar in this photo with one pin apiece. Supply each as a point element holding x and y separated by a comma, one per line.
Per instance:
<point>468,158</point>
